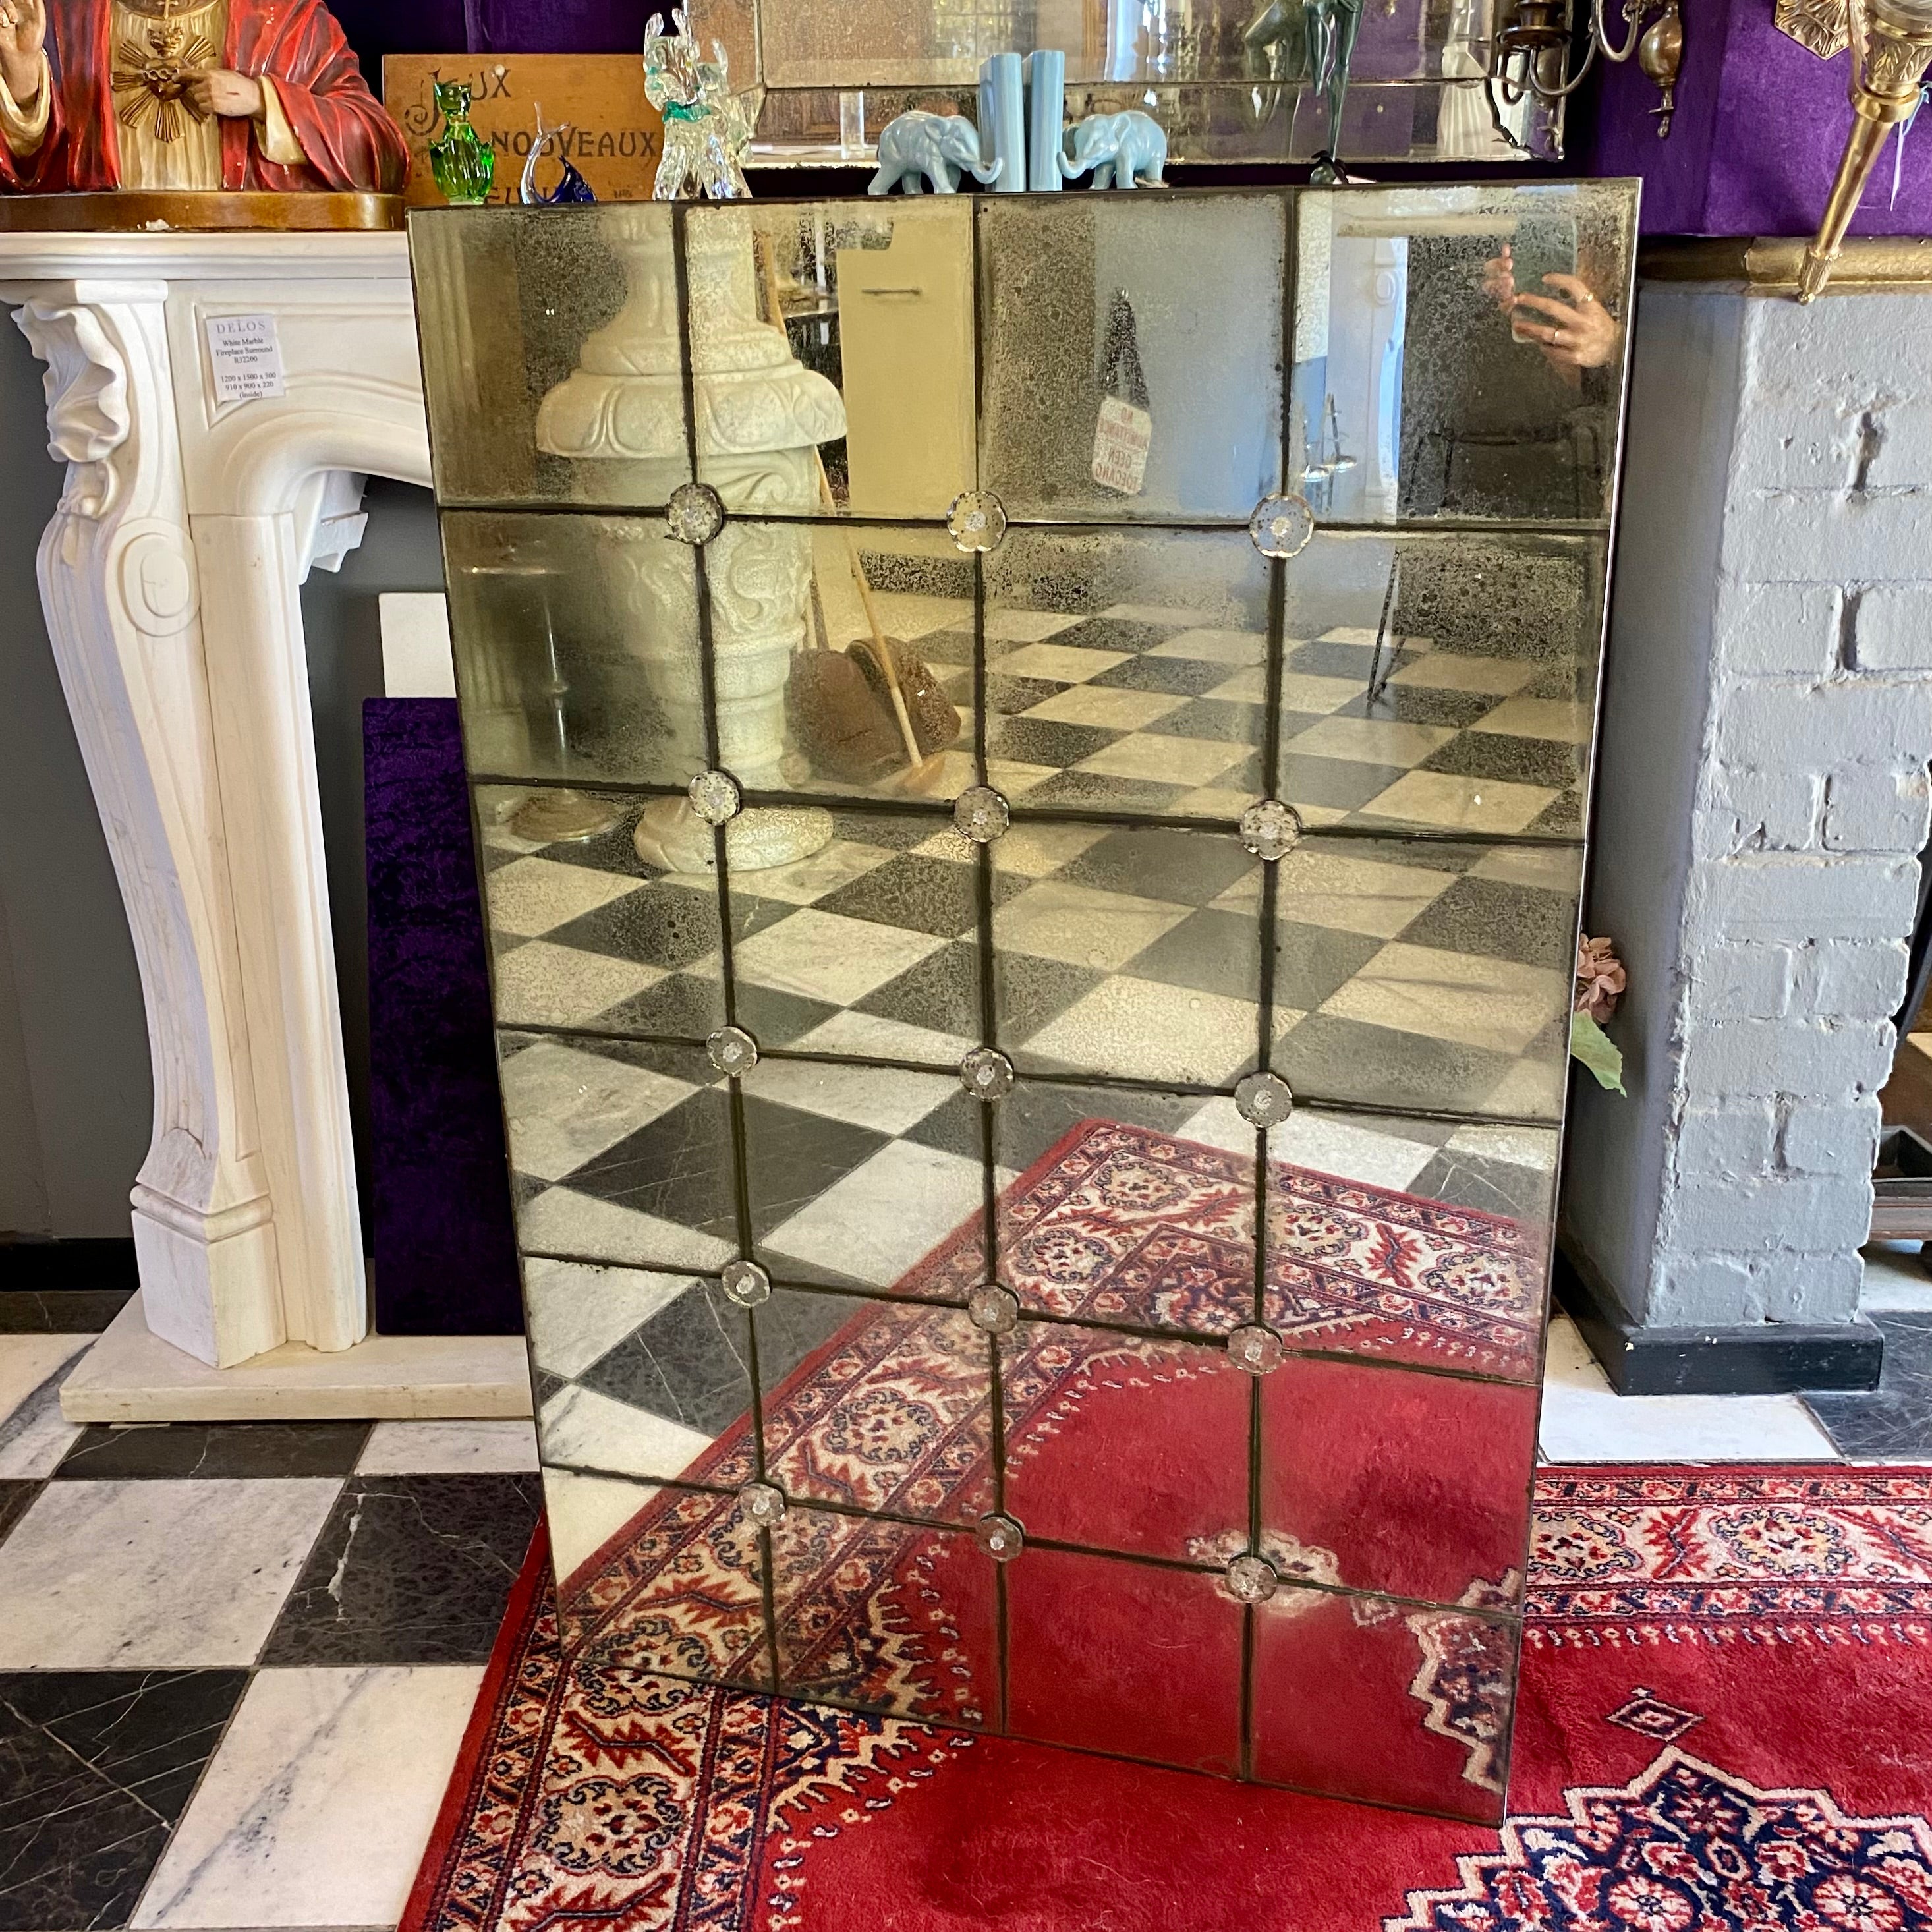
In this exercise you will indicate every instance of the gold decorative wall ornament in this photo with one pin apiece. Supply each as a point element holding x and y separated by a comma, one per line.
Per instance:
<point>1891,48</point>
<point>1529,52</point>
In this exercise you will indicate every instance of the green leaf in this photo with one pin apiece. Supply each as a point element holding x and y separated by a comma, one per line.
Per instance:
<point>1595,1048</point>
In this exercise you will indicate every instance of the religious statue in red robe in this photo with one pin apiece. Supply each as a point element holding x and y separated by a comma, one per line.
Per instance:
<point>187,93</point>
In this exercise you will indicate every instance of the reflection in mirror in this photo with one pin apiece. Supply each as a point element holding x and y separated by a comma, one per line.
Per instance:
<point>832,348</point>
<point>552,376</point>
<point>1171,307</point>
<point>576,649</point>
<point>1459,351</point>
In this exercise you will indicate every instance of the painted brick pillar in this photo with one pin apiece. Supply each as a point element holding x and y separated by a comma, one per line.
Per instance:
<point>1762,804</point>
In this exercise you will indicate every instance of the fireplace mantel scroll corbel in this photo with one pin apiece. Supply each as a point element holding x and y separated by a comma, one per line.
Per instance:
<point>170,576</point>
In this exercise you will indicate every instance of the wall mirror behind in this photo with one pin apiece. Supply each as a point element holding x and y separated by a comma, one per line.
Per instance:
<point>1028,759</point>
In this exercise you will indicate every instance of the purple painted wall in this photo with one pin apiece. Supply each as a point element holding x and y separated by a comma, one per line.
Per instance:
<point>1760,124</point>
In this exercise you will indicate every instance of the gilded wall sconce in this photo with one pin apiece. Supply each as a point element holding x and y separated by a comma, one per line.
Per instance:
<point>1891,42</point>
<point>1530,51</point>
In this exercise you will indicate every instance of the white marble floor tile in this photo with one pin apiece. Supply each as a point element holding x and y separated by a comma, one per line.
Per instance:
<point>585,1430</point>
<point>1216,646</point>
<point>1026,627</point>
<point>887,1213</point>
<point>1148,1031</point>
<point>910,613</point>
<point>1144,754</point>
<point>1308,692</point>
<point>1585,1421</point>
<point>806,881</point>
<point>532,896</point>
<point>1444,799</point>
<point>1322,886</point>
<point>1450,671</point>
<point>1519,1147</point>
<point>1063,664</point>
<point>577,1313</point>
<point>33,1434</point>
<point>132,1576</point>
<point>448,1448</point>
<point>824,955</point>
<point>1167,613</point>
<point>1218,801</point>
<point>887,1099</point>
<point>585,1512</point>
<point>561,1220</point>
<point>1552,869</point>
<point>1459,996</point>
<point>1896,1280</point>
<point>1370,741</point>
<point>564,1106</point>
<point>544,984</point>
<point>1532,1086</point>
<point>1331,1146</point>
<point>1218,1124</point>
<point>1081,926</point>
<point>1249,686</point>
<point>1366,633</point>
<point>1565,722</point>
<point>1008,776</point>
<point>1105,707</point>
<point>316,1808</point>
<point>1033,851</point>
<point>851,1031</point>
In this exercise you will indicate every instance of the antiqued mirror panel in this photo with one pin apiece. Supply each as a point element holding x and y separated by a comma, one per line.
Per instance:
<point>1032,938</point>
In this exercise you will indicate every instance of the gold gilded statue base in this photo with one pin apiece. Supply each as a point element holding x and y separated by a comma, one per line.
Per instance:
<point>188,212</point>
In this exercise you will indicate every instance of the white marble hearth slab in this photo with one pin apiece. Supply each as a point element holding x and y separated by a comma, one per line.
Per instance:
<point>317,1806</point>
<point>130,1375</point>
<point>145,1575</point>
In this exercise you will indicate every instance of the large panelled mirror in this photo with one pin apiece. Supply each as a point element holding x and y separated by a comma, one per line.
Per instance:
<point>1030,760</point>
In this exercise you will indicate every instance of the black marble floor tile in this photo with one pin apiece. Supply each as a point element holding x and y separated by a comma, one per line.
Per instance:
<point>1561,818</point>
<point>946,647</point>
<point>71,1311</point>
<point>1226,721</point>
<point>1498,920</point>
<point>1177,868</point>
<point>679,1168</point>
<point>1112,634</point>
<point>914,893</point>
<point>1498,754</point>
<point>1892,1423</point>
<point>1211,951</point>
<point>1045,741</point>
<point>611,851</point>
<point>1331,658</point>
<point>1339,783</point>
<point>409,1570</point>
<point>1094,791</point>
<point>1490,1187</point>
<point>1028,991</point>
<point>1344,1061</point>
<point>1008,696</point>
<point>667,927</point>
<point>96,1768</point>
<point>691,1362</point>
<point>16,1498</point>
<point>182,1450</point>
<point>1187,677</point>
<point>877,828</point>
<point>791,1157</point>
<point>1034,1116</point>
<point>941,992</point>
<point>1418,704</point>
<point>953,1127</point>
<point>1313,961</point>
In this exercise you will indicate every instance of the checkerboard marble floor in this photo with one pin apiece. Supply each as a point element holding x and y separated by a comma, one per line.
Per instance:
<point>235,1660</point>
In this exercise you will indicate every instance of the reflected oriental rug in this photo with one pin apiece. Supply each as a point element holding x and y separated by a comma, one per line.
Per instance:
<point>1722,1726</point>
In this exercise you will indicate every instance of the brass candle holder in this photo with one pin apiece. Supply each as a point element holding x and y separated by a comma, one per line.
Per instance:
<point>1891,47</point>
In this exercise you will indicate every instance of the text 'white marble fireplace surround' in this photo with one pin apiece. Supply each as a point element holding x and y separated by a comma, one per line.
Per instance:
<point>170,576</point>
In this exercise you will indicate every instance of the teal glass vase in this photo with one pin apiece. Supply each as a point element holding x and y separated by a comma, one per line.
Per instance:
<point>462,162</point>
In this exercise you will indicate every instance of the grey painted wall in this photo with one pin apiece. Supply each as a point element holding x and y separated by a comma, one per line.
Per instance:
<point>75,1097</point>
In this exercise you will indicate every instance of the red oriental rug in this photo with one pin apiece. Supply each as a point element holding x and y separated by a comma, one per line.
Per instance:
<point>1725,1725</point>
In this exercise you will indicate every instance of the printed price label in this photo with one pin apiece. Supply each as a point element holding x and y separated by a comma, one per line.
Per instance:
<point>246,356</point>
<point>1121,445</point>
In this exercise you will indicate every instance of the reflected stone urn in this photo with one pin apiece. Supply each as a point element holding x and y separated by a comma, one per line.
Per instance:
<point>759,417</point>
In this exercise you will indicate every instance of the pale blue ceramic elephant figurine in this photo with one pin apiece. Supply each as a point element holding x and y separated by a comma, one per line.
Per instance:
<point>1122,150</point>
<point>936,145</point>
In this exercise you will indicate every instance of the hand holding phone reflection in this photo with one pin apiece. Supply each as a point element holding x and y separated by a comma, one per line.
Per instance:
<point>1571,327</point>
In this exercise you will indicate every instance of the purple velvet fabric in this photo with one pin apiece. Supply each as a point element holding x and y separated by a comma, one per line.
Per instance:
<point>379,27</point>
<point>1760,124</point>
<point>445,1254</point>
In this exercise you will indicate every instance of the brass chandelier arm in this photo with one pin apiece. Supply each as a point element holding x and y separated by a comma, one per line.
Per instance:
<point>1634,13</point>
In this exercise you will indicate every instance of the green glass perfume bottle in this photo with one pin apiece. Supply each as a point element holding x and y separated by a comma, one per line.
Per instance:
<point>462,161</point>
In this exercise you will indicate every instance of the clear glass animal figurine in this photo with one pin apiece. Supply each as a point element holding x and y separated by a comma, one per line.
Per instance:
<point>706,127</point>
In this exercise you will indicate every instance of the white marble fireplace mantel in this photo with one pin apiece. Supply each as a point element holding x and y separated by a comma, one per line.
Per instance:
<point>170,577</point>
